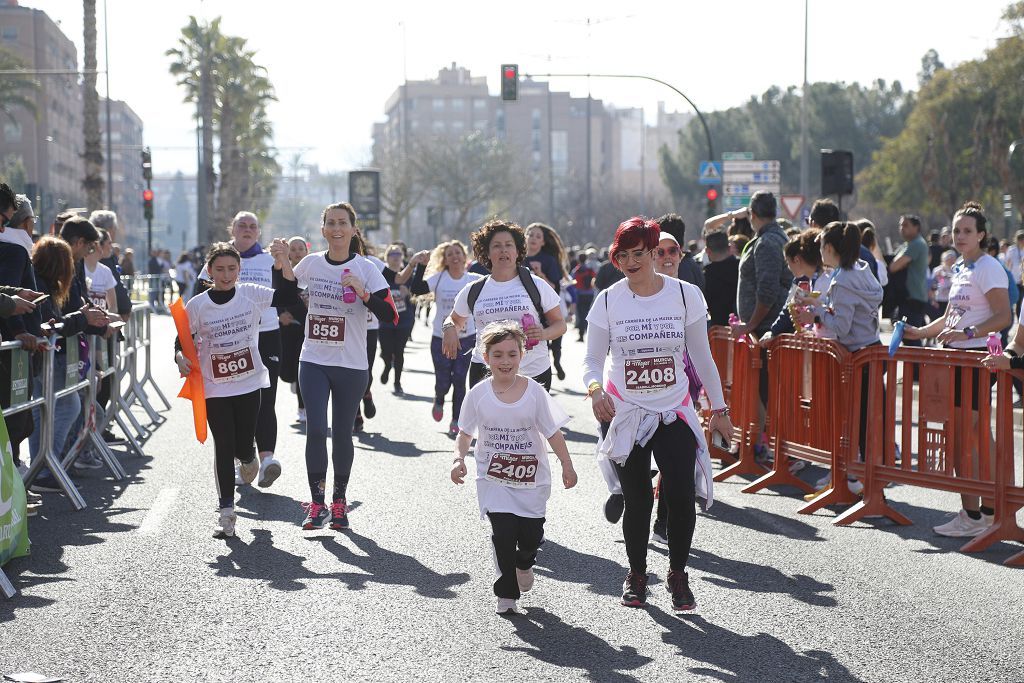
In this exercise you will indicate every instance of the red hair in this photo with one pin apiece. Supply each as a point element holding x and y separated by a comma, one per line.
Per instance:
<point>635,232</point>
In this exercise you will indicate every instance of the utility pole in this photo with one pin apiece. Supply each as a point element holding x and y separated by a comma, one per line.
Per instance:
<point>804,156</point>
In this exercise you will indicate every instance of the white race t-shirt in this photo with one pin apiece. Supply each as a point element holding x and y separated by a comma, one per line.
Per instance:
<point>967,303</point>
<point>336,331</point>
<point>509,301</point>
<point>648,341</point>
<point>512,470</point>
<point>257,270</point>
<point>228,340</point>
<point>100,281</point>
<point>445,290</point>
<point>371,320</point>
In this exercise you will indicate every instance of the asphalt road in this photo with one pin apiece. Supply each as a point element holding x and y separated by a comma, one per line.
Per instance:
<point>135,588</point>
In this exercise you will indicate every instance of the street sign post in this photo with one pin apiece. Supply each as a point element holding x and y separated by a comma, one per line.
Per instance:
<point>364,195</point>
<point>710,173</point>
<point>742,176</point>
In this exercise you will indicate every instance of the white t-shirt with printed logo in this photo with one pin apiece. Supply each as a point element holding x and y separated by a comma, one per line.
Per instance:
<point>228,340</point>
<point>100,281</point>
<point>335,331</point>
<point>445,290</point>
<point>256,270</point>
<point>371,320</point>
<point>509,301</point>
<point>967,302</point>
<point>647,337</point>
<point>512,469</point>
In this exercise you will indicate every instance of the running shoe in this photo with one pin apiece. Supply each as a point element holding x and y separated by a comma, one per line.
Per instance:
<point>453,429</point>
<point>247,471</point>
<point>962,526</point>
<point>45,483</point>
<point>384,375</point>
<point>339,515</point>
<point>301,416</point>
<point>613,507</point>
<point>398,391</point>
<point>112,438</point>
<point>524,577</point>
<point>559,371</point>
<point>317,515</point>
<point>660,534</point>
<point>225,524</point>
<point>634,590</point>
<point>368,406</point>
<point>795,465</point>
<point>438,411</point>
<point>856,488</point>
<point>824,482</point>
<point>270,470</point>
<point>88,461</point>
<point>357,426</point>
<point>506,606</point>
<point>678,585</point>
<point>33,501</point>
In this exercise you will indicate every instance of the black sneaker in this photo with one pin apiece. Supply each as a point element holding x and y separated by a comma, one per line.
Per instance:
<point>357,426</point>
<point>384,375</point>
<point>317,515</point>
<point>678,584</point>
<point>339,515</point>
<point>45,483</point>
<point>660,534</point>
<point>613,507</point>
<point>368,406</point>
<point>110,437</point>
<point>398,389</point>
<point>634,590</point>
<point>559,371</point>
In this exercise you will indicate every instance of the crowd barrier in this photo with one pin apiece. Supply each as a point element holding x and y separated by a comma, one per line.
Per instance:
<point>125,361</point>
<point>817,411</point>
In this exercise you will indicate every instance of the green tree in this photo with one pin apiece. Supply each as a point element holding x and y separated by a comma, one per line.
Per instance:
<point>17,91</point>
<point>93,182</point>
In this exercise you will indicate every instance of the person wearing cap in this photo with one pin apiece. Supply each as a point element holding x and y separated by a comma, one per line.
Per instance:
<point>673,227</point>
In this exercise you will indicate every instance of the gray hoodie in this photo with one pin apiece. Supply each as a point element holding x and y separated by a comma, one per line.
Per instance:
<point>851,306</point>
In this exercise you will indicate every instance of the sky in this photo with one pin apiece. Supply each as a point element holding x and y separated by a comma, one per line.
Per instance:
<point>334,63</point>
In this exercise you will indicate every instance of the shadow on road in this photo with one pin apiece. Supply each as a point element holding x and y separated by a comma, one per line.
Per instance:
<point>384,566</point>
<point>262,561</point>
<point>600,575</point>
<point>763,521</point>
<point>735,657</point>
<point>552,641</point>
<point>389,447</point>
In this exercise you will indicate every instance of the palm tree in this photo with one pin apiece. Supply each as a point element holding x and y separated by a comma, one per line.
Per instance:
<point>16,91</point>
<point>93,182</point>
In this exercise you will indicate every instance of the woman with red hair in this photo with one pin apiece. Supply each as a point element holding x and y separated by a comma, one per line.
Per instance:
<point>639,332</point>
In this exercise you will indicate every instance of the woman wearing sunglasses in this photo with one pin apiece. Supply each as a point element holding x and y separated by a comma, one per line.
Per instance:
<point>639,332</point>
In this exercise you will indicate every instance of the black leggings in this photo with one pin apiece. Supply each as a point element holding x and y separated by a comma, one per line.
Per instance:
<point>392,348</point>
<point>675,451</point>
<point>371,353</point>
<point>232,422</point>
<point>479,371</point>
<point>516,540</point>
<point>556,352</point>
<point>266,426</point>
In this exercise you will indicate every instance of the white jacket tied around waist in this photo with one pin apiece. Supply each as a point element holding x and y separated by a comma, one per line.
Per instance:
<point>635,425</point>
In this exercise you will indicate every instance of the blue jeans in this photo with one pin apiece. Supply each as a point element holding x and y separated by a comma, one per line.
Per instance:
<point>449,374</point>
<point>64,413</point>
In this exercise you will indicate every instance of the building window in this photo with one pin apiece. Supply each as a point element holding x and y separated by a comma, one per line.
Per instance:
<point>458,104</point>
<point>438,126</point>
<point>438,103</point>
<point>457,126</point>
<point>12,131</point>
<point>535,118</point>
<point>535,140</point>
<point>480,124</point>
<point>9,33</point>
<point>415,124</point>
<point>559,152</point>
<point>479,104</point>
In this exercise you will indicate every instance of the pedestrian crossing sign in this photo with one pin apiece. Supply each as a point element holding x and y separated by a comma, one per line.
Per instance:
<point>710,173</point>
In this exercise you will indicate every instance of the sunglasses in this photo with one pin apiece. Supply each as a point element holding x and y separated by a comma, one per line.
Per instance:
<point>636,255</point>
<point>671,251</point>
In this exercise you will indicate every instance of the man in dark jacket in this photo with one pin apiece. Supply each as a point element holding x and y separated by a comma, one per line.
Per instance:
<point>721,277</point>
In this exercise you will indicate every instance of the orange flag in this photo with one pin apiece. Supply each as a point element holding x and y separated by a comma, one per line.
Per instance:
<point>193,388</point>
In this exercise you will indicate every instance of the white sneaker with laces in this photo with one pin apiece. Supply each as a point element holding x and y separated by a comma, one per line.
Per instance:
<point>856,488</point>
<point>270,470</point>
<point>506,606</point>
<point>248,470</point>
<point>795,465</point>
<point>962,526</point>
<point>225,524</point>
<point>525,579</point>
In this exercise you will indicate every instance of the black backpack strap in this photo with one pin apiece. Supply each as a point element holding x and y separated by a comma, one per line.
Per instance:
<point>474,292</point>
<point>526,277</point>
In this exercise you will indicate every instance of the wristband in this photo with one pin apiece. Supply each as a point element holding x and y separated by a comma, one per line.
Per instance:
<point>721,411</point>
<point>365,296</point>
<point>591,388</point>
<point>447,325</point>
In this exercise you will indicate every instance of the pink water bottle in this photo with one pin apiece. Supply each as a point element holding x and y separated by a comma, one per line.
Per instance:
<point>348,294</point>
<point>995,344</point>
<point>734,319</point>
<point>527,322</point>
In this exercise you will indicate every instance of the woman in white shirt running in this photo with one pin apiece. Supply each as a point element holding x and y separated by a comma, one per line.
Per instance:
<point>638,333</point>
<point>225,322</point>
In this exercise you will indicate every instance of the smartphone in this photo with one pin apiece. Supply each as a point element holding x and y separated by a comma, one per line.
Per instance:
<point>40,299</point>
<point>719,441</point>
<point>116,325</point>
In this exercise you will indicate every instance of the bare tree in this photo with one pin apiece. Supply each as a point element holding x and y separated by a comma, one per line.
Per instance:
<point>400,189</point>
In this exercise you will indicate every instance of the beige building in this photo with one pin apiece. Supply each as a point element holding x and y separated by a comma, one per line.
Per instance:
<point>126,168</point>
<point>49,143</point>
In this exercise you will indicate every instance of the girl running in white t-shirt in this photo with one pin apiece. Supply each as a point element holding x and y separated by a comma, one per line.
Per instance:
<point>511,417</point>
<point>342,286</point>
<point>225,322</point>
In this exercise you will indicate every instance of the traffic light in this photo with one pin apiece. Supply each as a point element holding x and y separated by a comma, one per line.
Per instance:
<point>147,204</point>
<point>712,195</point>
<point>510,82</point>
<point>147,164</point>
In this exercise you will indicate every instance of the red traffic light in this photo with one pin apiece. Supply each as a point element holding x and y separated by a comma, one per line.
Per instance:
<point>147,195</point>
<point>712,194</point>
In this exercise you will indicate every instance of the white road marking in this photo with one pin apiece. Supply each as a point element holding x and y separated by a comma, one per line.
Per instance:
<point>161,506</point>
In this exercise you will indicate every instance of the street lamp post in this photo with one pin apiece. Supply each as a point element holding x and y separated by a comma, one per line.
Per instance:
<point>1008,214</point>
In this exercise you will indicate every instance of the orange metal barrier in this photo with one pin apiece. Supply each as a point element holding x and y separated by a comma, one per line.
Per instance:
<point>808,410</point>
<point>739,362</point>
<point>942,432</point>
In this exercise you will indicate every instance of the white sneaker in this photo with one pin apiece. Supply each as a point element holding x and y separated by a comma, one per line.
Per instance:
<point>962,526</point>
<point>525,579</point>
<point>506,606</point>
<point>795,465</point>
<point>270,470</point>
<point>856,488</point>
<point>824,482</point>
<point>248,470</point>
<point>301,416</point>
<point>225,524</point>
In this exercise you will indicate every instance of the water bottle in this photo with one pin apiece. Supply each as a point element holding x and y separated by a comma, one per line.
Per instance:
<point>734,319</point>
<point>347,293</point>
<point>527,321</point>
<point>995,344</point>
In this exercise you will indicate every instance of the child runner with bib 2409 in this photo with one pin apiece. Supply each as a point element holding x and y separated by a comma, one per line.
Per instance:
<point>511,416</point>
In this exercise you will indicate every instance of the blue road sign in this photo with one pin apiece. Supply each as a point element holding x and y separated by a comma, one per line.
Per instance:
<point>710,173</point>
